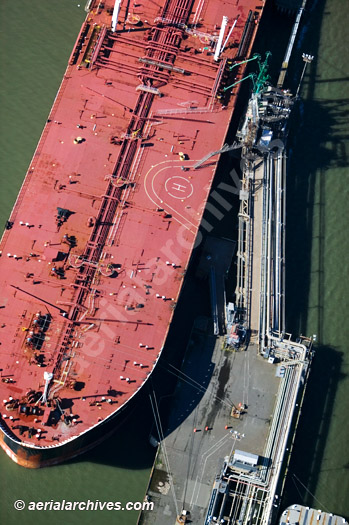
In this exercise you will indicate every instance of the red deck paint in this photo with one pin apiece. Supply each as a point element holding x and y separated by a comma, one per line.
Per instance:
<point>105,222</point>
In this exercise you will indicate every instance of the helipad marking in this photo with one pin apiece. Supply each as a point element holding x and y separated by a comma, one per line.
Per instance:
<point>179,187</point>
<point>186,223</point>
<point>168,162</point>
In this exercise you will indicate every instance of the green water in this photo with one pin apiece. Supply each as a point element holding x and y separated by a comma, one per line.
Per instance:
<point>317,284</point>
<point>36,38</point>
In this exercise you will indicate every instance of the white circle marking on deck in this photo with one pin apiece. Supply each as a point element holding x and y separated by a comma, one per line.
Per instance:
<point>179,187</point>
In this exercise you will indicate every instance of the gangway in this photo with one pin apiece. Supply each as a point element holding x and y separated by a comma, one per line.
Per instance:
<point>224,149</point>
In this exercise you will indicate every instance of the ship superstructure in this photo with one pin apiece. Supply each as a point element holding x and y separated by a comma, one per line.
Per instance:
<point>96,248</point>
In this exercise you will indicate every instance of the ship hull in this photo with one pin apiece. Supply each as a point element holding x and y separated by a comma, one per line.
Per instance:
<point>91,280</point>
<point>35,458</point>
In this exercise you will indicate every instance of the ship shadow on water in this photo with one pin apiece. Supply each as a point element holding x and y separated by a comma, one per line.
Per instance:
<point>193,304</point>
<point>189,387</point>
<point>128,447</point>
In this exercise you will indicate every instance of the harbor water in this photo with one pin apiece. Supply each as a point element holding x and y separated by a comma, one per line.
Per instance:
<point>36,39</point>
<point>317,287</point>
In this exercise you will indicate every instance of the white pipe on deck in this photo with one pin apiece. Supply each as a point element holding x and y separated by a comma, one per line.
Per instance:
<point>220,38</point>
<point>229,35</point>
<point>115,16</point>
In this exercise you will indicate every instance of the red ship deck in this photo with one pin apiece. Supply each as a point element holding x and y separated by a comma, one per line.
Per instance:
<point>99,239</point>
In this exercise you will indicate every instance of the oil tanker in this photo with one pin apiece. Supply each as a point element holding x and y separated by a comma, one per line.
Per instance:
<point>95,251</point>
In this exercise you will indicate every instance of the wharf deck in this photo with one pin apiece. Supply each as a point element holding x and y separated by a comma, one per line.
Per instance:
<point>196,458</point>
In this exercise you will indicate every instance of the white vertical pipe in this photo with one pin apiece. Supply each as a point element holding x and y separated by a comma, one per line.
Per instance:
<point>220,38</point>
<point>116,12</point>
<point>229,35</point>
